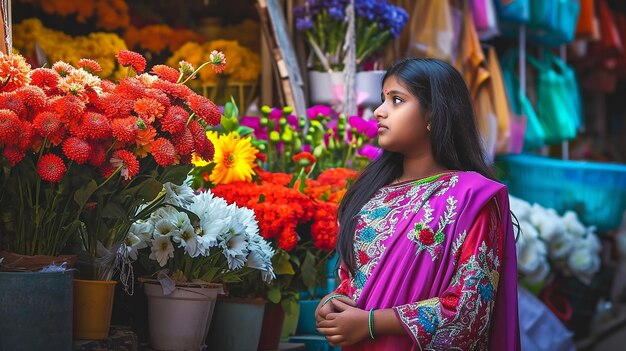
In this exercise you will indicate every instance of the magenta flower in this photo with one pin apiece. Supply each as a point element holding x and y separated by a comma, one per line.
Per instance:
<point>370,151</point>
<point>318,110</point>
<point>367,128</point>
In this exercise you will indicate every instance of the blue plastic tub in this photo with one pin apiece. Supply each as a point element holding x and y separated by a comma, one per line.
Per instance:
<point>596,191</point>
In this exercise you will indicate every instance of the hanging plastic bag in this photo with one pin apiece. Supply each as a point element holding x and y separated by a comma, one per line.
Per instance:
<point>431,30</point>
<point>484,15</point>
<point>553,22</point>
<point>534,136</point>
<point>555,108</point>
<point>585,27</point>
<point>517,11</point>
<point>500,102</point>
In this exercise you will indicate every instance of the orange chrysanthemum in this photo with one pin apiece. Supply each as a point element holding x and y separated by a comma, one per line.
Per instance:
<point>90,66</point>
<point>125,129</point>
<point>13,72</point>
<point>130,58</point>
<point>62,68</point>
<point>144,140</point>
<point>51,168</point>
<point>149,109</point>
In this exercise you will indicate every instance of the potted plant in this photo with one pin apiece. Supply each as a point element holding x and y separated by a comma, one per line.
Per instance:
<point>324,26</point>
<point>194,244</point>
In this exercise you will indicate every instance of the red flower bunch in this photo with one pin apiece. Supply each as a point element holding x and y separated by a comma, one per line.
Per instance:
<point>69,137</point>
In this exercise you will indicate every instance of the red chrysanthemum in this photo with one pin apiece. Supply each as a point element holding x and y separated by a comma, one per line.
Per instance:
<point>33,98</point>
<point>76,149</point>
<point>149,109</point>
<point>97,155</point>
<point>175,120</point>
<point>10,102</point>
<point>10,125</point>
<point>88,65</point>
<point>288,239</point>
<point>45,78</point>
<point>166,73</point>
<point>14,154</point>
<point>49,125</point>
<point>304,158</point>
<point>62,68</point>
<point>130,58</point>
<point>218,61</point>
<point>164,152</point>
<point>25,135</point>
<point>127,162</point>
<point>183,142</point>
<point>114,106</point>
<point>107,86</point>
<point>107,169</point>
<point>51,168</point>
<point>159,96</point>
<point>95,126</point>
<point>205,109</point>
<point>209,151</point>
<point>13,72</point>
<point>69,107</point>
<point>130,88</point>
<point>175,90</point>
<point>125,129</point>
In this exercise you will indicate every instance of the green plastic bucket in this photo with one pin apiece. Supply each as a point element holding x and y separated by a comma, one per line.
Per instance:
<point>36,311</point>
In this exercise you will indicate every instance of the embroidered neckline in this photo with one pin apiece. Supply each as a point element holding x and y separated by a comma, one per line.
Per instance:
<point>421,181</point>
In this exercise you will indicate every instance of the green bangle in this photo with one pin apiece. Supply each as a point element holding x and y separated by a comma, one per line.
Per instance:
<point>333,297</point>
<point>371,324</point>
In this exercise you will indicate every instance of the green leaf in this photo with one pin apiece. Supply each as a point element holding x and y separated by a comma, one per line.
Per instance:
<point>149,189</point>
<point>235,109</point>
<point>175,174</point>
<point>243,130</point>
<point>309,272</point>
<point>82,195</point>
<point>274,295</point>
<point>113,210</point>
<point>290,305</point>
<point>283,265</point>
<point>229,124</point>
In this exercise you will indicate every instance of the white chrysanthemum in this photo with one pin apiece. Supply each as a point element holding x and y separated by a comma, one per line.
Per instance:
<point>584,264</point>
<point>179,195</point>
<point>161,249</point>
<point>260,257</point>
<point>133,243</point>
<point>530,255</point>
<point>520,208</point>
<point>142,229</point>
<point>573,224</point>
<point>187,238</point>
<point>165,226</point>
<point>214,219</point>
<point>234,245</point>
<point>561,245</point>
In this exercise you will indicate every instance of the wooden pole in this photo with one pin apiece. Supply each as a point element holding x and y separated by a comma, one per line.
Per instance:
<point>5,27</point>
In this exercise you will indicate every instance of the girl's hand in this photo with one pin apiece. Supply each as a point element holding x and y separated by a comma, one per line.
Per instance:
<point>322,311</point>
<point>346,327</point>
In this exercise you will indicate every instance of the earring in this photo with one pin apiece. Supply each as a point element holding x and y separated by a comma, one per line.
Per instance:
<point>428,127</point>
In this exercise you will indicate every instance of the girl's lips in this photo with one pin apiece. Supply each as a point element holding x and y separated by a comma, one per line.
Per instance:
<point>382,129</point>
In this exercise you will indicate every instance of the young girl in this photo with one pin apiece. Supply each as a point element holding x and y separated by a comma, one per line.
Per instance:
<point>426,240</point>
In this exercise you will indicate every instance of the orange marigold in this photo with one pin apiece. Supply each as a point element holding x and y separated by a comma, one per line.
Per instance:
<point>14,72</point>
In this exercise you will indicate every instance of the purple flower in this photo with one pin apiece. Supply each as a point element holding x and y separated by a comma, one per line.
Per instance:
<point>336,13</point>
<point>367,128</point>
<point>303,24</point>
<point>370,151</point>
<point>317,110</point>
<point>276,113</point>
<point>254,123</point>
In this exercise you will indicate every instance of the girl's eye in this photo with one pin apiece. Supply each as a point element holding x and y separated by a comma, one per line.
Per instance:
<point>396,100</point>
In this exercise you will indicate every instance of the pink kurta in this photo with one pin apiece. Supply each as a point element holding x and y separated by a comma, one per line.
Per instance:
<point>441,253</point>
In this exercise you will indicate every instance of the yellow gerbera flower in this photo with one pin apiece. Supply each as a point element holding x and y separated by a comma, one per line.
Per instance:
<point>234,158</point>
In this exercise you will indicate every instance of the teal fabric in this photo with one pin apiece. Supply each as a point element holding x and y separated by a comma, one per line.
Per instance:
<point>513,11</point>
<point>520,104</point>
<point>557,108</point>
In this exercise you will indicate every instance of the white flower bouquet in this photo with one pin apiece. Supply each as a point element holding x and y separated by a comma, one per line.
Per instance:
<point>549,242</point>
<point>199,237</point>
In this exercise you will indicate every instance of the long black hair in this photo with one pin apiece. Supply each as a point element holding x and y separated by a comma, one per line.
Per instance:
<point>454,139</point>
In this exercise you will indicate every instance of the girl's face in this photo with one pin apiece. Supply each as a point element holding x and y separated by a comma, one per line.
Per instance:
<point>402,125</point>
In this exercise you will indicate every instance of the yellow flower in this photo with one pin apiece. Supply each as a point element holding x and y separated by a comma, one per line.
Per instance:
<point>234,158</point>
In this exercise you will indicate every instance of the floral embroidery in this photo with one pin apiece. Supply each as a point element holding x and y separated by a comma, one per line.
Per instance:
<point>377,220</point>
<point>423,318</point>
<point>425,237</point>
